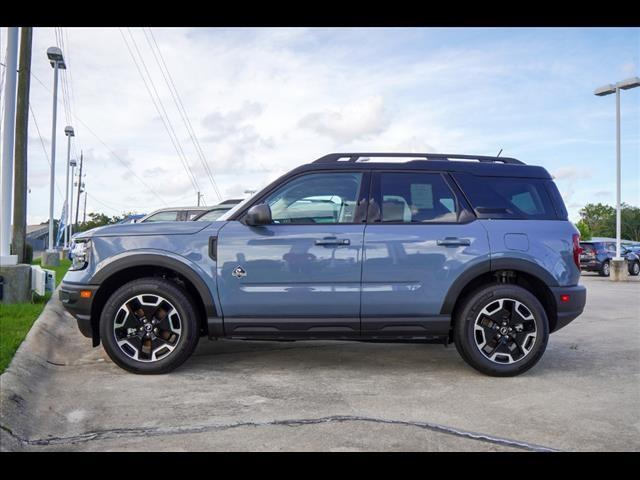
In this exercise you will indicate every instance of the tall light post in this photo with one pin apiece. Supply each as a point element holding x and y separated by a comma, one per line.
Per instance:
<point>9,128</point>
<point>73,164</point>
<point>68,131</point>
<point>57,61</point>
<point>601,92</point>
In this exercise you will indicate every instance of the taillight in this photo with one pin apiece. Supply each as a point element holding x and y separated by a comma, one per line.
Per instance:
<point>577,249</point>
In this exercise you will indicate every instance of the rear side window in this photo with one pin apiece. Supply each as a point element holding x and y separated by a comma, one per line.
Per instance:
<point>506,197</point>
<point>414,198</point>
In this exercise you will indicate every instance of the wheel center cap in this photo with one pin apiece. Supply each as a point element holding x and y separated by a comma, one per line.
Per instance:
<point>148,327</point>
<point>504,330</point>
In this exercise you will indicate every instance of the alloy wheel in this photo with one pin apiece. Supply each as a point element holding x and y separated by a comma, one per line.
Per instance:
<point>147,328</point>
<point>505,331</point>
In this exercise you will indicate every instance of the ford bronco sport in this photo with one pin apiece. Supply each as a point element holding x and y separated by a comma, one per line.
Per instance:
<point>467,249</point>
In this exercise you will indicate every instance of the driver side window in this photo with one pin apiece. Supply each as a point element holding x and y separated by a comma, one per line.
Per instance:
<point>316,198</point>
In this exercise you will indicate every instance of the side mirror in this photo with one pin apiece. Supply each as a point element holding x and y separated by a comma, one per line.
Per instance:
<point>258,215</point>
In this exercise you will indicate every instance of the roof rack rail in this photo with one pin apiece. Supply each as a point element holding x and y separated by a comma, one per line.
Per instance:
<point>354,157</point>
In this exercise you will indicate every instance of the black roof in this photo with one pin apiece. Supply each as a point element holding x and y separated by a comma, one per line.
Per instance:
<point>476,164</point>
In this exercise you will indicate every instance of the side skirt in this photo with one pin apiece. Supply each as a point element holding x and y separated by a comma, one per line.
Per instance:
<point>383,329</point>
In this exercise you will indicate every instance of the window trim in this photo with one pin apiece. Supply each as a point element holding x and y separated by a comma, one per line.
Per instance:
<point>463,214</point>
<point>361,204</point>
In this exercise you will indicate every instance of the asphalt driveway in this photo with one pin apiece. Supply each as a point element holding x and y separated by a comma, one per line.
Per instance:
<point>60,394</point>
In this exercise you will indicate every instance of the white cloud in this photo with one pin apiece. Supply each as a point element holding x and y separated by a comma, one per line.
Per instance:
<point>570,173</point>
<point>362,119</point>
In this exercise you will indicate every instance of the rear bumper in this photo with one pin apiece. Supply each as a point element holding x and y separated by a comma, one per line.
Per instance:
<point>569,310</point>
<point>78,306</point>
<point>591,266</point>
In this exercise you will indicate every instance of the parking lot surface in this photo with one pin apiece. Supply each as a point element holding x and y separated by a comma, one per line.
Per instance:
<point>61,394</point>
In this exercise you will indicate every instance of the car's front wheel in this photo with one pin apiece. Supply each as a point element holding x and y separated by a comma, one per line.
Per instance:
<point>605,271</point>
<point>634,268</point>
<point>501,330</point>
<point>149,326</point>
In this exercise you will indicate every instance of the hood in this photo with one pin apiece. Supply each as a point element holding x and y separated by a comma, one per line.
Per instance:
<point>147,228</point>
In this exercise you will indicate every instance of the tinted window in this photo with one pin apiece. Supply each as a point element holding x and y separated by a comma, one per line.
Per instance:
<point>316,198</point>
<point>191,214</point>
<point>415,198</point>
<point>212,215</point>
<point>168,216</point>
<point>502,197</point>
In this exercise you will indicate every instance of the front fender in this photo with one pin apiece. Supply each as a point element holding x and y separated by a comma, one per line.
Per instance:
<point>202,275</point>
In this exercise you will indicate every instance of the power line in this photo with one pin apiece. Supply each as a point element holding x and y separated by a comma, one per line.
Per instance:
<point>159,106</point>
<point>71,89</point>
<point>114,154</point>
<point>180,105</point>
<point>44,148</point>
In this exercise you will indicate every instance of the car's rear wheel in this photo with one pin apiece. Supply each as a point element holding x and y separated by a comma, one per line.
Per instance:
<point>501,330</point>
<point>605,270</point>
<point>634,269</point>
<point>149,326</point>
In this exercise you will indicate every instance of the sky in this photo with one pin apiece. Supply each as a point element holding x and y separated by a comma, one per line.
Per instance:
<point>261,101</point>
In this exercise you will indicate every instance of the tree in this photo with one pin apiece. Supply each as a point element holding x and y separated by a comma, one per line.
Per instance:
<point>98,220</point>
<point>585,231</point>
<point>598,218</point>
<point>630,217</point>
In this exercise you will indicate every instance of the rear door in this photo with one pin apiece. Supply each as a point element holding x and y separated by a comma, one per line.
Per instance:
<point>300,275</point>
<point>417,242</point>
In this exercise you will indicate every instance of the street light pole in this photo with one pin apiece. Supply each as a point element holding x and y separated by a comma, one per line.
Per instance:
<point>57,61</point>
<point>9,126</point>
<point>618,175</point>
<point>601,92</point>
<point>68,131</point>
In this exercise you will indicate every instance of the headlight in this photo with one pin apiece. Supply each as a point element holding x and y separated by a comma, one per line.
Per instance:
<point>80,255</point>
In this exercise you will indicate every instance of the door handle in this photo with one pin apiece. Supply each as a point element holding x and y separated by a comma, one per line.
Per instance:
<point>333,241</point>
<point>453,242</point>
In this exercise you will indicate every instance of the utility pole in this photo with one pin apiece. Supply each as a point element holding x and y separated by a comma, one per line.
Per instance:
<point>22,125</point>
<point>79,186</point>
<point>200,195</point>
<point>73,163</point>
<point>9,124</point>
<point>84,210</point>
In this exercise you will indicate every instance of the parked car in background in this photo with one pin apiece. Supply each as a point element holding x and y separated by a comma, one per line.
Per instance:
<point>428,249</point>
<point>174,214</point>
<point>217,210</point>
<point>134,218</point>
<point>597,254</point>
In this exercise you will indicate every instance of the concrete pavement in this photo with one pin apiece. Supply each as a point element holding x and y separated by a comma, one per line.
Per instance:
<point>60,394</point>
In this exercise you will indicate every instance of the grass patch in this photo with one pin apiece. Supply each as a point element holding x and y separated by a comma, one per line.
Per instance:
<point>16,319</point>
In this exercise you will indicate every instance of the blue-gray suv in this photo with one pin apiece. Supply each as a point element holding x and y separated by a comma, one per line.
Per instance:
<point>390,247</point>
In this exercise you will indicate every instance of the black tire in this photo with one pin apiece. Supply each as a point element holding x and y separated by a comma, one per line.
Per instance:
<point>634,269</point>
<point>605,270</point>
<point>184,343</point>
<point>507,296</point>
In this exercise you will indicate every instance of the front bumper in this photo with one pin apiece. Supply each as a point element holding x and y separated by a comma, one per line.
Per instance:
<point>78,306</point>
<point>567,311</point>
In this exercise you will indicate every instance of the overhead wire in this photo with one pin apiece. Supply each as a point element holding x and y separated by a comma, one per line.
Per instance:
<point>109,149</point>
<point>159,106</point>
<point>160,61</point>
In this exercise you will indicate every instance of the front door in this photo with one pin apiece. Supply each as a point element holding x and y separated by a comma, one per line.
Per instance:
<point>301,274</point>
